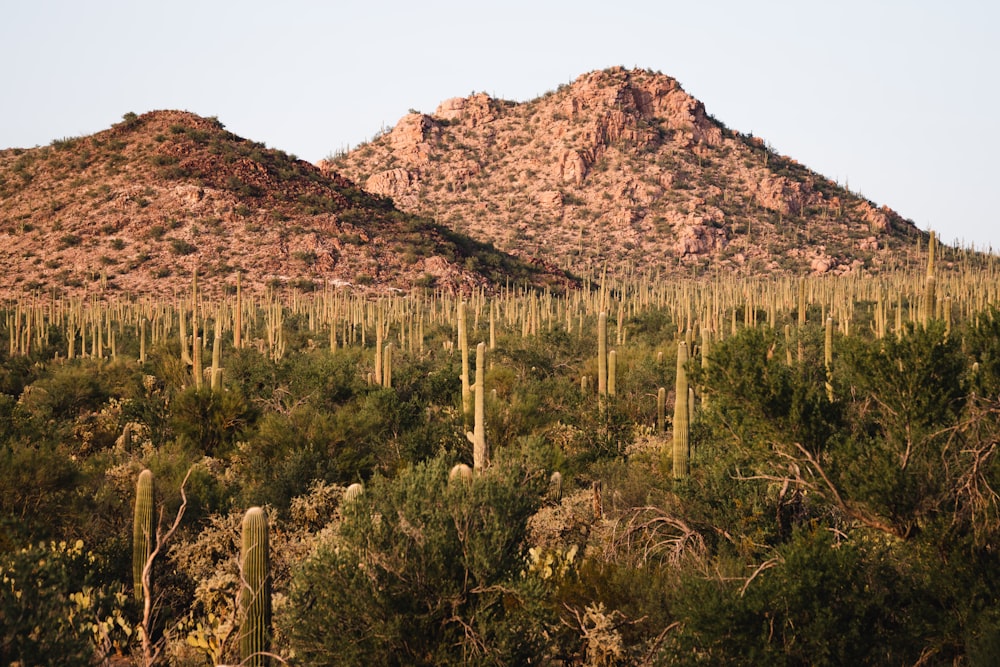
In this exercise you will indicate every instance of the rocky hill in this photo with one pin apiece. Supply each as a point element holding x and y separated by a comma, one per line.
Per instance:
<point>622,169</point>
<point>142,205</point>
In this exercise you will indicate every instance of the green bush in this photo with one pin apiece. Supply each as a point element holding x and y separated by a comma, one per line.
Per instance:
<point>423,572</point>
<point>210,421</point>
<point>50,611</point>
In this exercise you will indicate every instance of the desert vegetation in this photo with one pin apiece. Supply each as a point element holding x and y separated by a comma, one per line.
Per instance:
<point>506,477</point>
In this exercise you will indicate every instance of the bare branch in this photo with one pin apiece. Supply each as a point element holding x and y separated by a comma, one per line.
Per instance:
<point>766,565</point>
<point>651,534</point>
<point>151,650</point>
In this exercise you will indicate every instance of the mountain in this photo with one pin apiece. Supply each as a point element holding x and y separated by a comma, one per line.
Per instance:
<point>622,169</point>
<point>141,206</point>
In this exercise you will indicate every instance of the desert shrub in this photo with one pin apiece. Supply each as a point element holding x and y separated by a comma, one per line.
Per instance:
<point>36,479</point>
<point>820,601</point>
<point>423,572</point>
<point>51,612</point>
<point>211,421</point>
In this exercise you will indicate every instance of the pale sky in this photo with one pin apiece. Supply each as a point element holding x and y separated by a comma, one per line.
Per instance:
<point>896,99</point>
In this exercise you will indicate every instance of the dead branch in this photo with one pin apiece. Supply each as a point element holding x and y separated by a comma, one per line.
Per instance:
<point>151,650</point>
<point>651,534</point>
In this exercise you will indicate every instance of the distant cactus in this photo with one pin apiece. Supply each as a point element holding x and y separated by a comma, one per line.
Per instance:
<point>661,410</point>
<point>928,308</point>
<point>353,492</point>
<point>480,452</point>
<point>463,346</point>
<point>255,596</point>
<point>142,341</point>
<point>681,442</point>
<point>602,354</point>
<point>555,487</point>
<point>387,366</point>
<point>828,357</point>
<point>612,373</point>
<point>460,471</point>
<point>706,346</point>
<point>142,530</point>
<point>216,373</point>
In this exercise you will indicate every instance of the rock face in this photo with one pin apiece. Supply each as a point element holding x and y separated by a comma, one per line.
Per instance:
<point>620,168</point>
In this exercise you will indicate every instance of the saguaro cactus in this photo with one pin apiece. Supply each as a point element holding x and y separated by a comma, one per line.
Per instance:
<point>142,530</point>
<point>612,373</point>
<point>828,357</point>
<point>602,354</point>
<point>238,313</point>
<point>197,368</point>
<point>661,410</point>
<point>480,453</point>
<point>929,306</point>
<point>706,346</point>
<point>353,492</point>
<point>555,487</point>
<point>142,341</point>
<point>255,595</point>
<point>461,472</point>
<point>387,366</point>
<point>463,346</point>
<point>216,374</point>
<point>681,442</point>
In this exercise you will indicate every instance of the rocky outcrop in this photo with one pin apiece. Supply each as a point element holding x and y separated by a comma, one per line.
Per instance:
<point>391,183</point>
<point>623,168</point>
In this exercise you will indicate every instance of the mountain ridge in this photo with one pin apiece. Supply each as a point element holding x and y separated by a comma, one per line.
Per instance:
<point>624,168</point>
<point>142,206</point>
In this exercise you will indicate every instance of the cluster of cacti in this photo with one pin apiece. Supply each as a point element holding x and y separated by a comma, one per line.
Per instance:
<point>92,328</point>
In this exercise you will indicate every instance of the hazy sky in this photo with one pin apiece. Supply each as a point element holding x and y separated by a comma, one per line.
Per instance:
<point>897,99</point>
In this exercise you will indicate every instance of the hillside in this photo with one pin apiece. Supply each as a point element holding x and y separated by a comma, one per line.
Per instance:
<point>622,168</point>
<point>142,205</point>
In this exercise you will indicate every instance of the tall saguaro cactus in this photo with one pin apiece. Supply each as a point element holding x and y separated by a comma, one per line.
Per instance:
<point>828,357</point>
<point>142,530</point>
<point>216,374</point>
<point>463,346</point>
<point>661,410</point>
<point>142,341</point>
<point>480,452</point>
<point>387,366</point>
<point>602,354</point>
<point>255,594</point>
<point>612,373</point>
<point>681,437</point>
<point>238,313</point>
<point>929,305</point>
